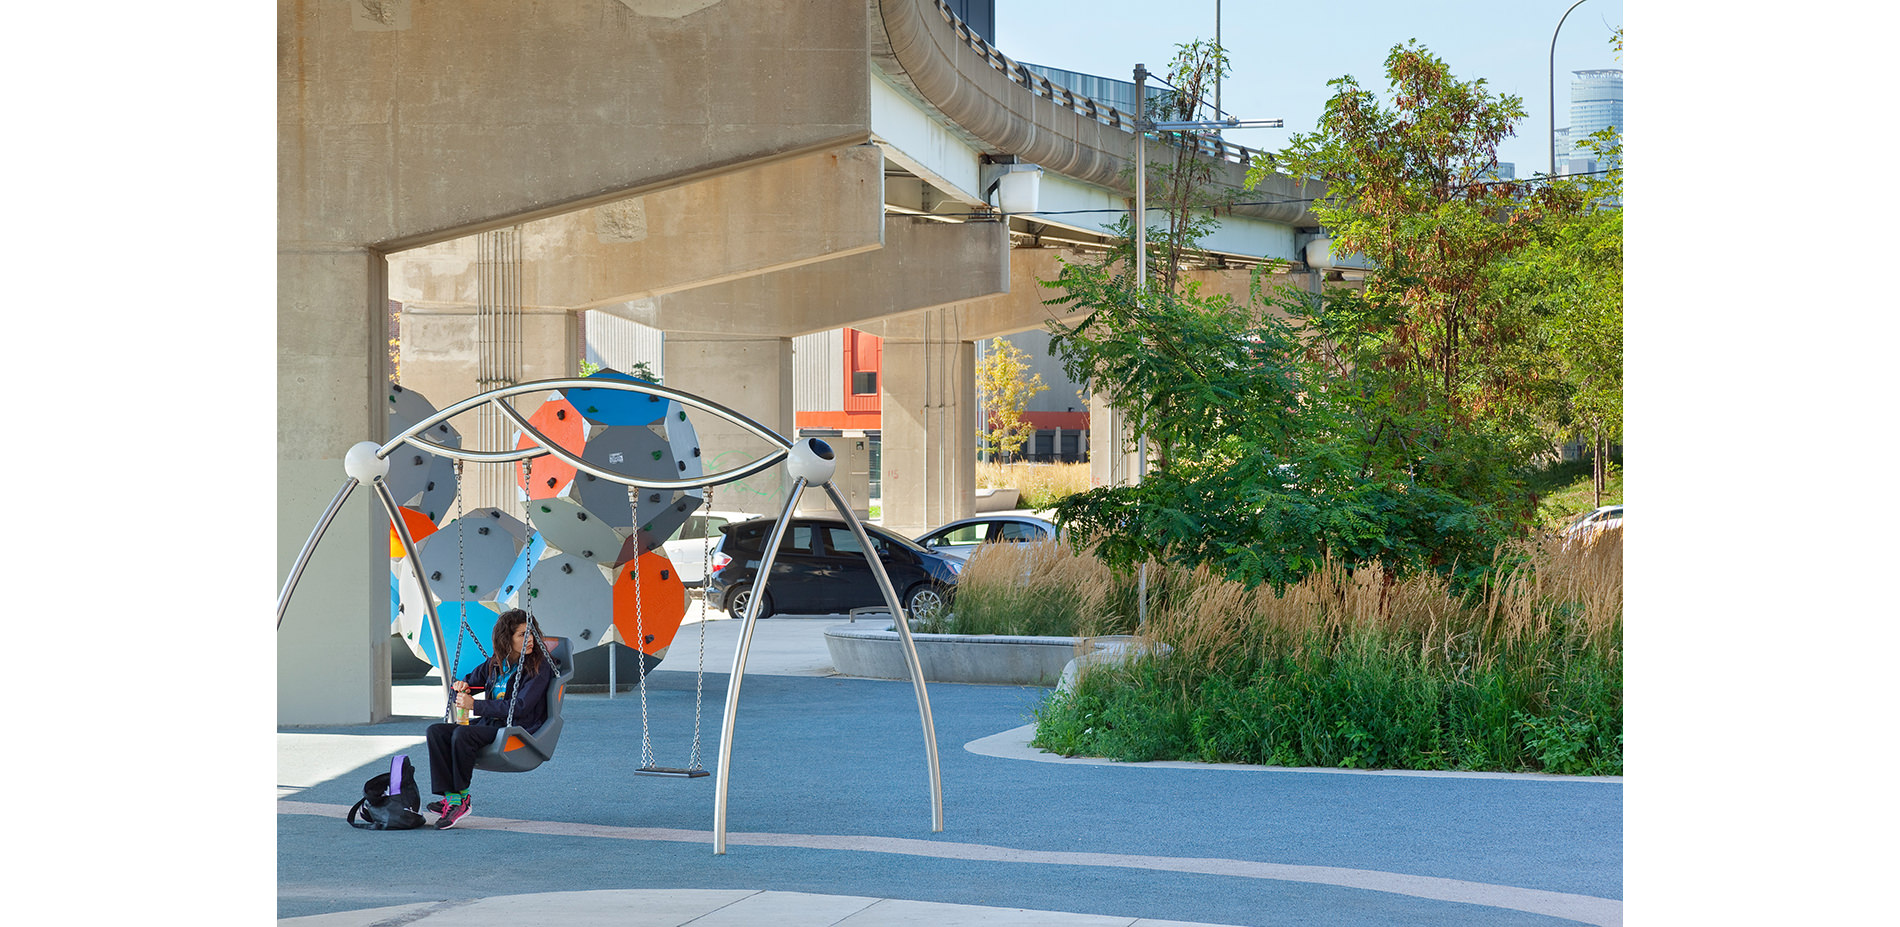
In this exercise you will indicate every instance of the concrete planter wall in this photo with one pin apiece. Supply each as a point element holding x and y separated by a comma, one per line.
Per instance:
<point>974,658</point>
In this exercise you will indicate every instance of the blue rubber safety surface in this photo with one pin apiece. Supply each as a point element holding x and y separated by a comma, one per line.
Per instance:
<point>844,756</point>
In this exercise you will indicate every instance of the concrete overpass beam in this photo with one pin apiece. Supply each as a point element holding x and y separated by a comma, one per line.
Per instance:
<point>769,217</point>
<point>923,263</point>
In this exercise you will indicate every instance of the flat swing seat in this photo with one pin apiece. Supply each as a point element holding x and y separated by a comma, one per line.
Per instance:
<point>516,749</point>
<point>670,771</point>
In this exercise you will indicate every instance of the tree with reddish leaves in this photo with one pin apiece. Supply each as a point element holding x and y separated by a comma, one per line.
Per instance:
<point>1413,186</point>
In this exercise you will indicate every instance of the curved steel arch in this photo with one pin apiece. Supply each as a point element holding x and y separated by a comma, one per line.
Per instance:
<point>542,446</point>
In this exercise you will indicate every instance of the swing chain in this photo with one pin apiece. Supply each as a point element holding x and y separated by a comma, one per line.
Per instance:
<point>640,631</point>
<point>461,612</point>
<point>527,599</point>
<point>699,680</point>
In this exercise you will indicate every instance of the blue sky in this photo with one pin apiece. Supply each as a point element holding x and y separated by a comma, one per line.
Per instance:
<point>1282,55</point>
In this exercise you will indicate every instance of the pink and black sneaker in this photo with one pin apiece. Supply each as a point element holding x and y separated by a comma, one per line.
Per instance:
<point>455,813</point>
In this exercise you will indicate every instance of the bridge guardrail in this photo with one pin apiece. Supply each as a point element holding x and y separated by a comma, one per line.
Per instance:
<point>1206,145</point>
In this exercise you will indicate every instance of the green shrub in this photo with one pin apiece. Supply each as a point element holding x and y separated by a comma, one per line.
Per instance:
<point>1356,671</point>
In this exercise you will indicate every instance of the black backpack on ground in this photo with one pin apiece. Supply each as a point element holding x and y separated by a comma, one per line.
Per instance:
<point>390,800</point>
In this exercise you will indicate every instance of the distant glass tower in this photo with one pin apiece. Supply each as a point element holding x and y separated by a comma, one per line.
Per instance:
<point>1596,103</point>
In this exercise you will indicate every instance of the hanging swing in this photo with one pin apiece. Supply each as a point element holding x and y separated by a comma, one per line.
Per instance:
<point>515,748</point>
<point>647,767</point>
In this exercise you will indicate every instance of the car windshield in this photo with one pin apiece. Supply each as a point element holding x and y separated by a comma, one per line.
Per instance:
<point>890,538</point>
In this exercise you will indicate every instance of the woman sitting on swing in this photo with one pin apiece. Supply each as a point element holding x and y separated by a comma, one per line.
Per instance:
<point>516,672</point>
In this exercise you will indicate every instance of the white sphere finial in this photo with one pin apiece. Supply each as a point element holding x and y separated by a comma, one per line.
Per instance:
<point>811,460</point>
<point>362,464</point>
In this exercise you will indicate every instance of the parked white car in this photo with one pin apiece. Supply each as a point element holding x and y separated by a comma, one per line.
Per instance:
<point>690,548</point>
<point>1585,529</point>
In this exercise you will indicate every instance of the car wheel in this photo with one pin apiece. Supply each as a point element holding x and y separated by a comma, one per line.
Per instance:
<point>741,599</point>
<point>925,601</point>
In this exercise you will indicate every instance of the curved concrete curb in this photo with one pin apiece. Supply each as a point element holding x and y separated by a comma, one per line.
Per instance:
<point>974,658</point>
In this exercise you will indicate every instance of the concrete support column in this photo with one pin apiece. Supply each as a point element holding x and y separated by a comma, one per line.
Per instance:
<point>333,645</point>
<point>751,376</point>
<point>1112,457</point>
<point>929,422</point>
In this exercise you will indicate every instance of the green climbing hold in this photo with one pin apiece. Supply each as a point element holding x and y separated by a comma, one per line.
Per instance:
<point>656,455</point>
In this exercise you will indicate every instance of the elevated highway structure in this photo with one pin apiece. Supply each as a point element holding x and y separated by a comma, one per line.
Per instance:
<point>734,173</point>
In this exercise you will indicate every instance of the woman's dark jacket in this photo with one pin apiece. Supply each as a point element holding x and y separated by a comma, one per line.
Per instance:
<point>530,697</point>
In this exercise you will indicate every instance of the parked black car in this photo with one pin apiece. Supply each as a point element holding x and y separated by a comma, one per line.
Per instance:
<point>821,569</point>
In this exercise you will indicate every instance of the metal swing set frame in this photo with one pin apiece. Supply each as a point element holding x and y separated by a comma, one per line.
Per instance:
<point>809,462</point>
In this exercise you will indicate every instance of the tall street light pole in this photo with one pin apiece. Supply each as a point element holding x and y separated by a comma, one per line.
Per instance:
<point>1143,125</point>
<point>1553,86</point>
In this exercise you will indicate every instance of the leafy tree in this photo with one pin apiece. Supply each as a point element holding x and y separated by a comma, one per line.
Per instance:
<point>1273,458</point>
<point>1413,187</point>
<point>1571,278</point>
<point>639,369</point>
<point>1005,393</point>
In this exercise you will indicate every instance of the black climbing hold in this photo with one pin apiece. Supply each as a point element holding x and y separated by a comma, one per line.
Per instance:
<point>586,633</point>
<point>430,487</point>
<point>588,554</point>
<point>665,575</point>
<point>560,414</point>
<point>567,568</point>
<point>550,482</point>
<point>482,530</point>
<point>417,460</point>
<point>649,638</point>
<point>437,576</point>
<point>581,515</point>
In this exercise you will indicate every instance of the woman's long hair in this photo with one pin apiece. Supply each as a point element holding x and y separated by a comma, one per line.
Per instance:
<point>504,652</point>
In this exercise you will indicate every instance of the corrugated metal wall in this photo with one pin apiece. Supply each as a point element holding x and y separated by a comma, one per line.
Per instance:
<point>620,343</point>
<point>818,371</point>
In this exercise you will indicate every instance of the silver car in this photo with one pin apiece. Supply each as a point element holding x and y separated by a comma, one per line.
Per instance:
<point>961,537</point>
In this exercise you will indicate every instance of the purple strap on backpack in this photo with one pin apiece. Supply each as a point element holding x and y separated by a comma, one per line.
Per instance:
<point>395,774</point>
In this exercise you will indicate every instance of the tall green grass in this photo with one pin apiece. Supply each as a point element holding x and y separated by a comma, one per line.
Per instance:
<point>1355,669</point>
<point>1040,484</point>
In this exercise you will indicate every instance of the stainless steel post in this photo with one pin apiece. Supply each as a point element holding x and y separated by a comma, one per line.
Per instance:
<point>723,776</point>
<point>910,653</point>
<point>428,598</point>
<point>310,546</point>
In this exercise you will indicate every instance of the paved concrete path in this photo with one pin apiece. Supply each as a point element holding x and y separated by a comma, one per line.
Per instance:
<point>829,822</point>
